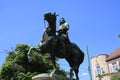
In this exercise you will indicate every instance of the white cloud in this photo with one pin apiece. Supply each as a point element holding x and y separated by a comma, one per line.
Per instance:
<point>84,74</point>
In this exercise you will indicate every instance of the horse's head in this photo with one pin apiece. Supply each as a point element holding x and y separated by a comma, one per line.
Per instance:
<point>50,16</point>
<point>51,19</point>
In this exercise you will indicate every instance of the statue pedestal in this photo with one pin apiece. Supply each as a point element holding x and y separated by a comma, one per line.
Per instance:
<point>47,76</point>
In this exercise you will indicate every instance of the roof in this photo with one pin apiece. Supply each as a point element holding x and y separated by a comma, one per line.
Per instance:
<point>113,55</point>
<point>99,55</point>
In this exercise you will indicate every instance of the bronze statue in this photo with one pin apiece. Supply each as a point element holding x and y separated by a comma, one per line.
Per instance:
<point>52,44</point>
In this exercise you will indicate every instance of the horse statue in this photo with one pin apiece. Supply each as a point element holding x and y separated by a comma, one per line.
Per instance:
<point>51,43</point>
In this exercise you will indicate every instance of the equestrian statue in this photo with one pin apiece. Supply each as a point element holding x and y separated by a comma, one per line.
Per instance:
<point>57,44</point>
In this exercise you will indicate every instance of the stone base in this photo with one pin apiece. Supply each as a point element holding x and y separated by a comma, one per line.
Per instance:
<point>47,76</point>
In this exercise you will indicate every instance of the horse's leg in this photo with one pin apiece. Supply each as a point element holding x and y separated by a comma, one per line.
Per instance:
<point>29,54</point>
<point>76,72</point>
<point>54,65</point>
<point>53,61</point>
<point>71,73</point>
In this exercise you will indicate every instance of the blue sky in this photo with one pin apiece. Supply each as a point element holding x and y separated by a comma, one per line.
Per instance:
<point>95,23</point>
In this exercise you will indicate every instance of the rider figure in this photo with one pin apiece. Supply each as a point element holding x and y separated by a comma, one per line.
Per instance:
<point>63,28</point>
<point>63,34</point>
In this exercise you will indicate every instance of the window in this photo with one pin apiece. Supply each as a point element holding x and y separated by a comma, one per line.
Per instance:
<point>99,70</point>
<point>113,67</point>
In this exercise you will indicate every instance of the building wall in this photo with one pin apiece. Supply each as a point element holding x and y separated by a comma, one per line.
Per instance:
<point>112,61</point>
<point>100,60</point>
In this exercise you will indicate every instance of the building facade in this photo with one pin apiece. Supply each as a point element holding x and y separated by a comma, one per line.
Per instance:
<point>104,65</point>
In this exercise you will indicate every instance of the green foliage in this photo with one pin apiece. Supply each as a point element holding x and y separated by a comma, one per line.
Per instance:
<point>115,78</point>
<point>11,56</point>
<point>27,76</point>
<point>17,66</point>
<point>100,76</point>
<point>118,70</point>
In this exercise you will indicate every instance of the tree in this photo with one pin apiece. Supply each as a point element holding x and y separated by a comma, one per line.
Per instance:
<point>116,77</point>
<point>17,66</point>
<point>100,76</point>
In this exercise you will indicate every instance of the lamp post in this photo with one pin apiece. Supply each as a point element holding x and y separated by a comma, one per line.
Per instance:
<point>89,70</point>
